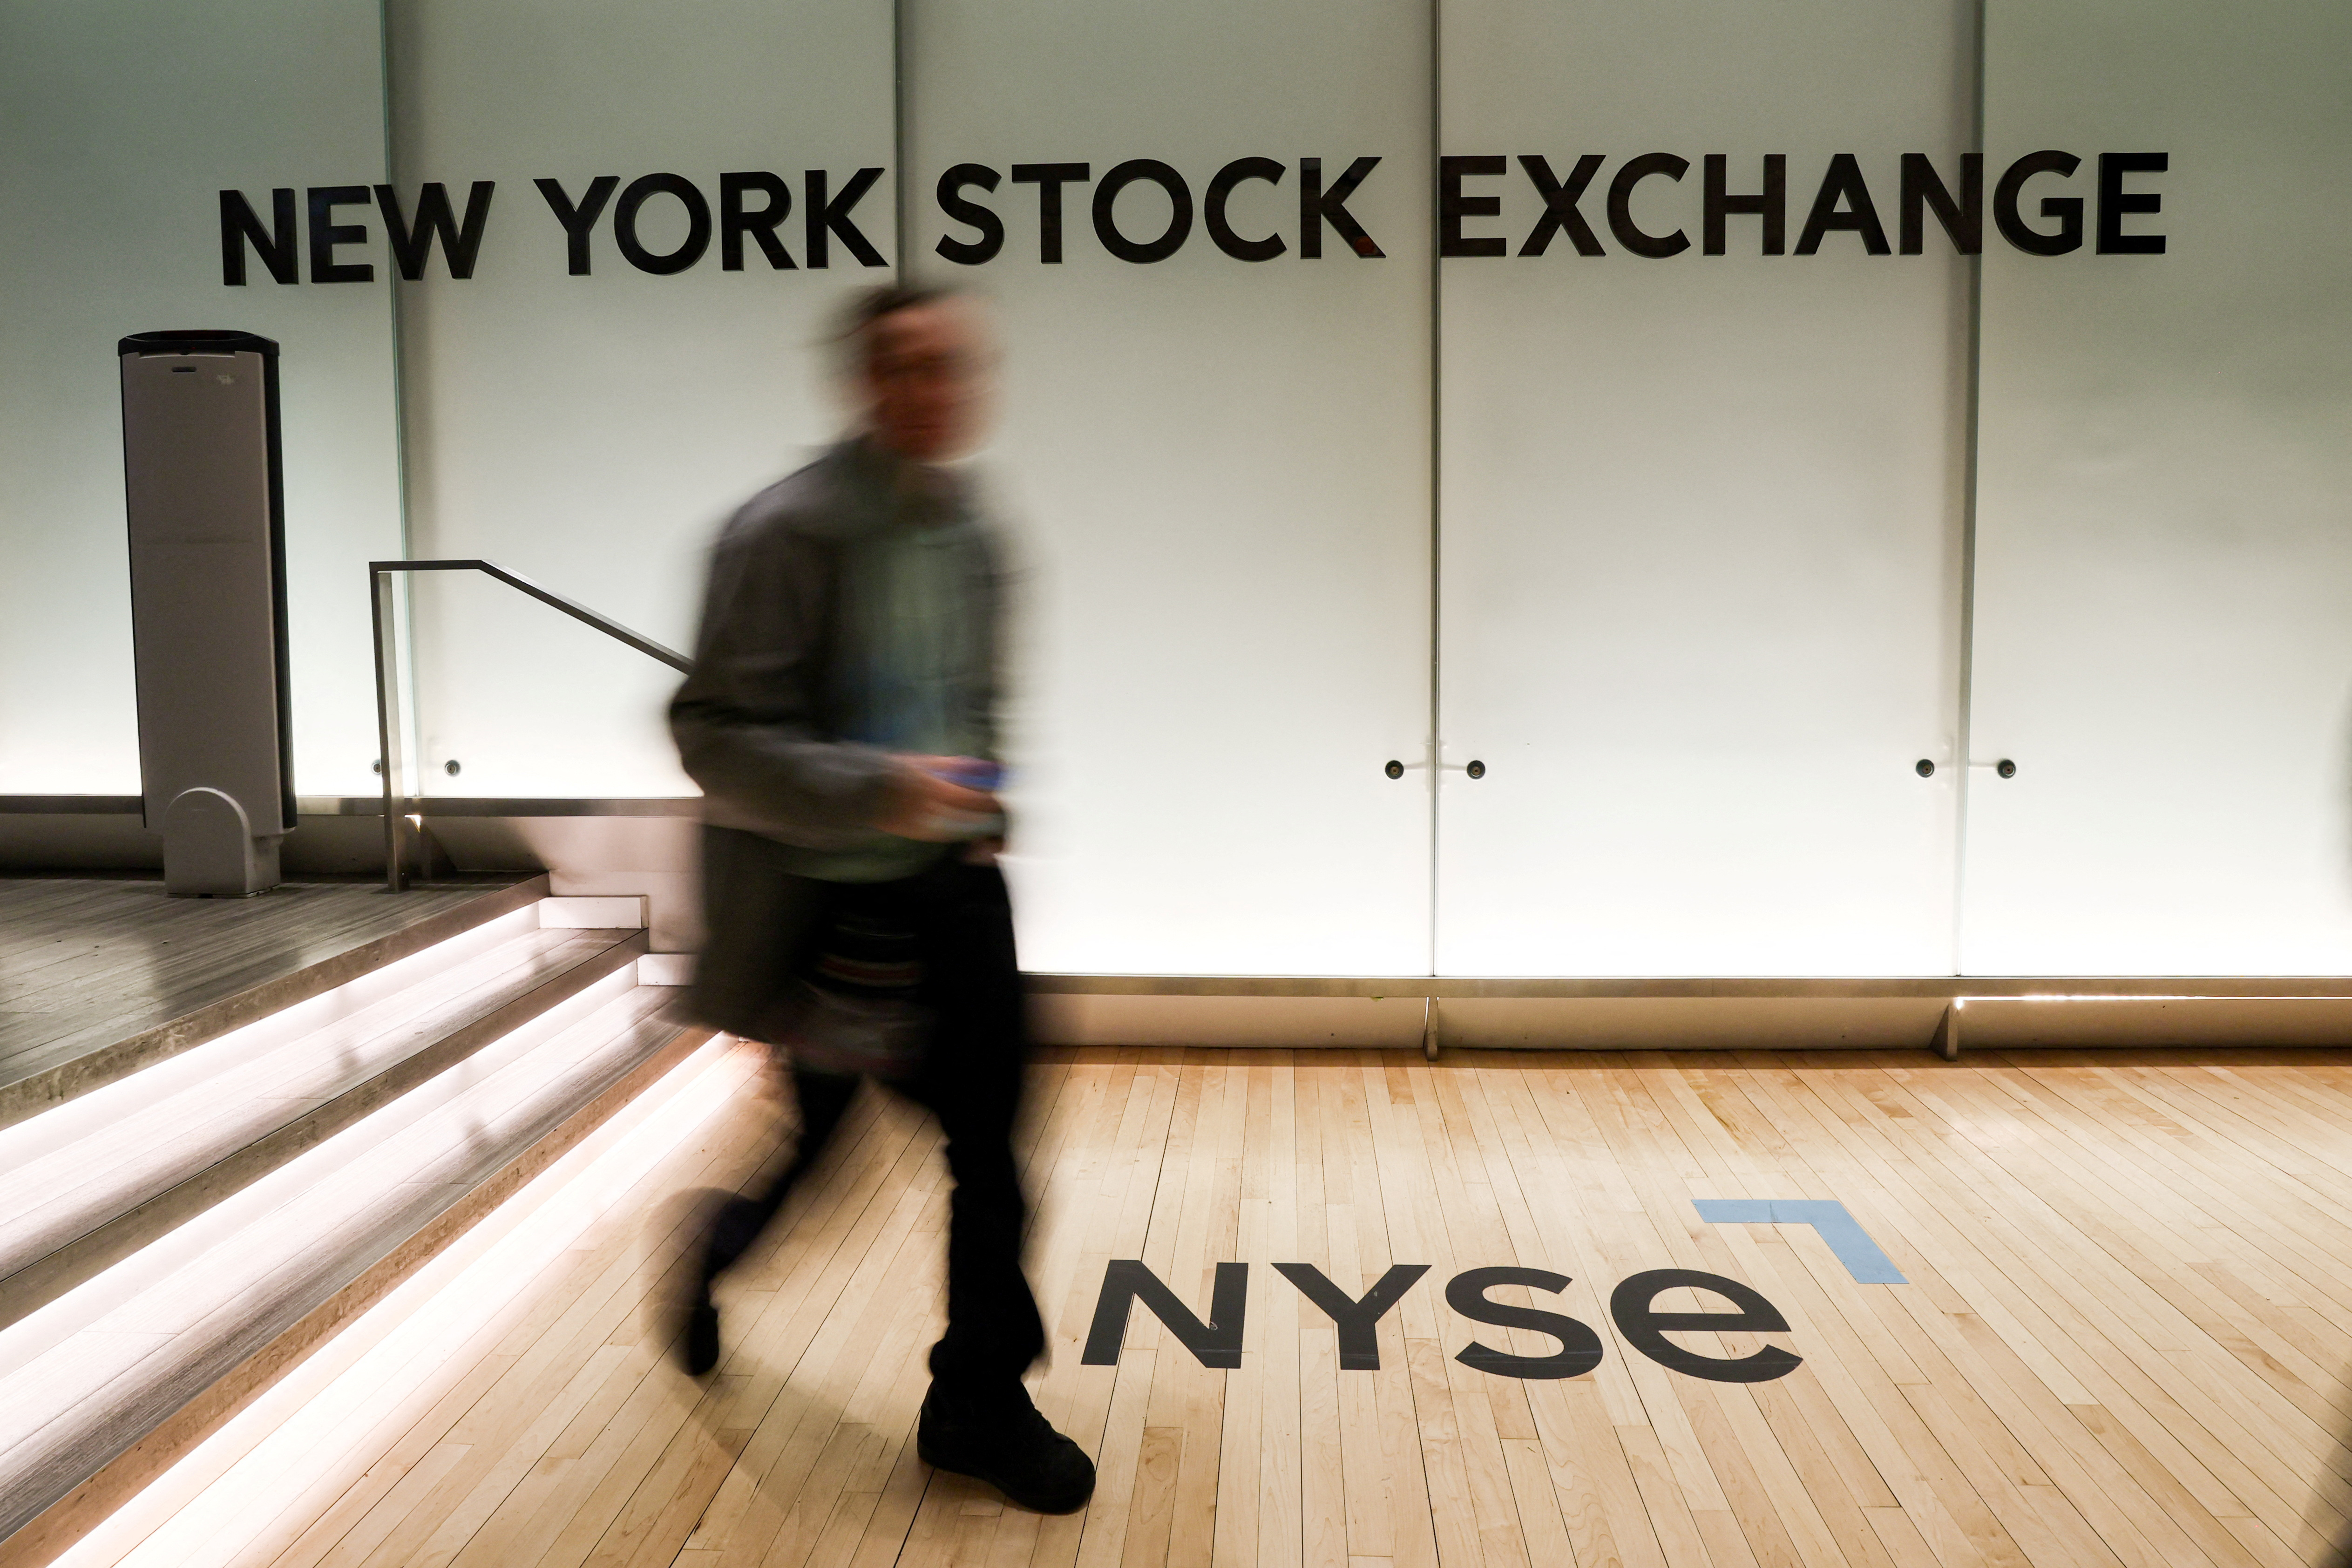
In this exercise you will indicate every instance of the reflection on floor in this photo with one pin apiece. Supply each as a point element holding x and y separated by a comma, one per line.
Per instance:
<point>2124,1310</point>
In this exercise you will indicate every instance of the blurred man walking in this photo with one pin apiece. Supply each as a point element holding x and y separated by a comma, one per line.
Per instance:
<point>841,722</point>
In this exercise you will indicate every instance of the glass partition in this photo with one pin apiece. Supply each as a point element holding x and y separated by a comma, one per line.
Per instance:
<point>121,124</point>
<point>593,428</point>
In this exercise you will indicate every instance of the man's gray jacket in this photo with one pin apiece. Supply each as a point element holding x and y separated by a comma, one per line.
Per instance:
<point>760,721</point>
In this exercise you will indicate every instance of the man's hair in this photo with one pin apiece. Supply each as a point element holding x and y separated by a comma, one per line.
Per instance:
<point>854,324</point>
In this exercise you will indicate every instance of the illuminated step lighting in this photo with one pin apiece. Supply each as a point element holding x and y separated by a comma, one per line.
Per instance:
<point>134,1129</point>
<point>158,1328</point>
<point>346,1003</point>
<point>208,1507</point>
<point>122,1144</point>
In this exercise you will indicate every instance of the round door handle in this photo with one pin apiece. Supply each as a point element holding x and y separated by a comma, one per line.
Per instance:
<point>2005,768</point>
<point>1476,770</point>
<point>1395,769</point>
<point>1924,768</point>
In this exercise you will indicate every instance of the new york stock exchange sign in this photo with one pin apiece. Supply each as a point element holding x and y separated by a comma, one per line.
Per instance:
<point>2048,203</point>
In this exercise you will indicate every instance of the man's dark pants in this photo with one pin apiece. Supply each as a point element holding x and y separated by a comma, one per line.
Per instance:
<point>761,920</point>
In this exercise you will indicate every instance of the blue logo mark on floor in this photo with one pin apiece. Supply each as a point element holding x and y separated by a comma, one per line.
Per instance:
<point>1861,1256</point>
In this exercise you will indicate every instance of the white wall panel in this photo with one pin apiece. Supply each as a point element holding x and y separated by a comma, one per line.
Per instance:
<point>593,432</point>
<point>1222,465</point>
<point>2164,607</point>
<point>119,122</point>
<point>1701,514</point>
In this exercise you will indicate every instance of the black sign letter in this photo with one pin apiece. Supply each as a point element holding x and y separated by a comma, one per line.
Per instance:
<point>2114,203</point>
<point>238,223</point>
<point>326,234</point>
<point>1963,220</point>
<point>2067,210</point>
<point>832,218</point>
<point>1770,204</point>
<point>1646,1330</point>
<point>1049,179</point>
<point>579,221</point>
<point>1843,202</point>
<point>1317,206</point>
<point>1559,205</point>
<point>412,245</point>
<point>698,223</point>
<point>1453,206</point>
<point>970,252</point>
<point>1358,1321</point>
<point>1217,1342</point>
<point>1579,1347</point>
<point>1221,190</point>
<point>760,223</point>
<point>1179,216</point>
<point>1621,205</point>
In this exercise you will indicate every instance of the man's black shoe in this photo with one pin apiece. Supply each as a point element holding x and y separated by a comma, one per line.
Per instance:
<point>1007,1443</point>
<point>684,1311</point>
<point>701,1347</point>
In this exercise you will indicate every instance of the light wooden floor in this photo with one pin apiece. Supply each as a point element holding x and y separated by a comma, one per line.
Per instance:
<point>85,962</point>
<point>2129,1300</point>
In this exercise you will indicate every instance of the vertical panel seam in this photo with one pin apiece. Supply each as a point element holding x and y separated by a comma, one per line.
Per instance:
<point>1436,480</point>
<point>899,139</point>
<point>1970,438</point>
<point>392,286</point>
<point>401,657</point>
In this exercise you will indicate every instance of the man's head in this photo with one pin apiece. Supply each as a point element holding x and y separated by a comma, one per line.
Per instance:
<point>918,363</point>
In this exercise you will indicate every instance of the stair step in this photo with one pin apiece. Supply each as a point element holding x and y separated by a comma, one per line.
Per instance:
<point>104,1386</point>
<point>94,1180</point>
<point>40,1078</point>
<point>595,911</point>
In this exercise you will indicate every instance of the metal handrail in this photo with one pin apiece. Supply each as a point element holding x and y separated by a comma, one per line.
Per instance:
<point>387,693</point>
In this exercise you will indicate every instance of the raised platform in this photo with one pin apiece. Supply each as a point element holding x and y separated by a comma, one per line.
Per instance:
<point>101,977</point>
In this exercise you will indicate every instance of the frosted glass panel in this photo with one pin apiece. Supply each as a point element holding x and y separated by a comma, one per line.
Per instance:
<point>1701,513</point>
<point>591,432</point>
<point>120,124</point>
<point>2164,633</point>
<point>1222,465</point>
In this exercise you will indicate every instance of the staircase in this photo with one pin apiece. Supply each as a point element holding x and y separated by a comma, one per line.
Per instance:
<point>173,1241</point>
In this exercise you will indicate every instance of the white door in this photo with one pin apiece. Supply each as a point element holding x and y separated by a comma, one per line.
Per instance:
<point>1219,466</point>
<point>2164,546</point>
<point>1702,514</point>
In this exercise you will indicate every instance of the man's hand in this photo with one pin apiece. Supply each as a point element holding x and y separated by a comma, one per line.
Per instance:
<point>926,806</point>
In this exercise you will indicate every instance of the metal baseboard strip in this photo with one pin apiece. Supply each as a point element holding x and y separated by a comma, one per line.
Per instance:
<point>1940,987</point>
<point>432,805</point>
<point>1686,1014</point>
<point>372,805</point>
<point>70,805</point>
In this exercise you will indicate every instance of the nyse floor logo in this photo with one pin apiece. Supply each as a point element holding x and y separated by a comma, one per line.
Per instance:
<point>1632,1306</point>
